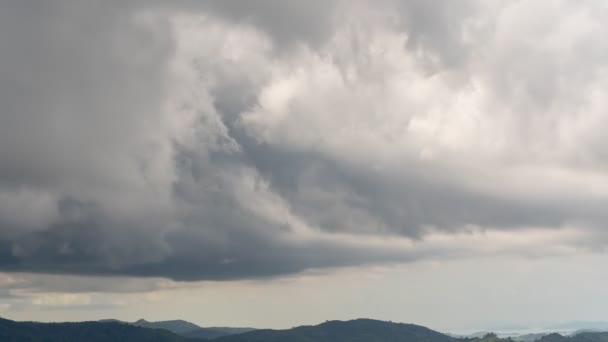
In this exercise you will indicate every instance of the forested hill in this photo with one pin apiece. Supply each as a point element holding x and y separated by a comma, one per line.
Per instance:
<point>187,329</point>
<point>580,337</point>
<point>11,331</point>
<point>359,330</point>
<point>554,337</point>
<point>352,331</point>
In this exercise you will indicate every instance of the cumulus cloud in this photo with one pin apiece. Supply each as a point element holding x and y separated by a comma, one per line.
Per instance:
<point>229,140</point>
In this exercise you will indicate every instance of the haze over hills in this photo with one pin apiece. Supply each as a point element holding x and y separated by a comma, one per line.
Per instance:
<point>358,330</point>
<point>176,326</point>
<point>576,326</point>
<point>191,330</point>
<point>185,328</point>
<point>528,333</point>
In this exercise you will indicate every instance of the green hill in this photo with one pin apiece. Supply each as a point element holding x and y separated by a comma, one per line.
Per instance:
<point>11,331</point>
<point>177,326</point>
<point>360,330</point>
<point>191,330</point>
<point>215,332</point>
<point>580,337</point>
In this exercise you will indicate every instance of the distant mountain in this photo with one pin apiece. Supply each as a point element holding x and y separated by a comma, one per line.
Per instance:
<point>580,337</point>
<point>215,332</point>
<point>554,337</point>
<point>177,326</point>
<point>191,330</point>
<point>359,330</point>
<point>580,326</point>
<point>478,334</point>
<point>529,337</point>
<point>550,337</point>
<point>11,331</point>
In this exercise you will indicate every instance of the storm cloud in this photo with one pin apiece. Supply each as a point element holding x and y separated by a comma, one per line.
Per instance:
<point>244,139</point>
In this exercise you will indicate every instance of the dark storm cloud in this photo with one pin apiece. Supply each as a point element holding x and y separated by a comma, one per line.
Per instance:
<point>71,64</point>
<point>82,85</point>
<point>107,168</point>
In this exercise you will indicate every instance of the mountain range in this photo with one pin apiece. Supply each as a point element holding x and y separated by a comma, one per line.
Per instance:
<point>185,328</point>
<point>358,330</point>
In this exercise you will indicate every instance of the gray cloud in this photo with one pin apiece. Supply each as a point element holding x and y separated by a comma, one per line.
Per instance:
<point>286,22</point>
<point>182,141</point>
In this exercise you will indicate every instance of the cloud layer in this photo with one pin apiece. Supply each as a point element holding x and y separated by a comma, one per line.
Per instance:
<point>229,140</point>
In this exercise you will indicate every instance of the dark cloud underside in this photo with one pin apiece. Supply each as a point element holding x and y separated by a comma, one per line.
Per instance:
<point>229,139</point>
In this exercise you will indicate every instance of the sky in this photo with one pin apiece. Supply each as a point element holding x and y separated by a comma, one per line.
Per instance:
<point>274,163</point>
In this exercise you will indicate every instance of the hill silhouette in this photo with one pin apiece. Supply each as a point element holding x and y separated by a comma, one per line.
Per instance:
<point>358,330</point>
<point>187,329</point>
<point>11,331</point>
<point>367,330</point>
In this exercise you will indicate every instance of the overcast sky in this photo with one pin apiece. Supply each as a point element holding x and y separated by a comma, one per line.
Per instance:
<point>272,163</point>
